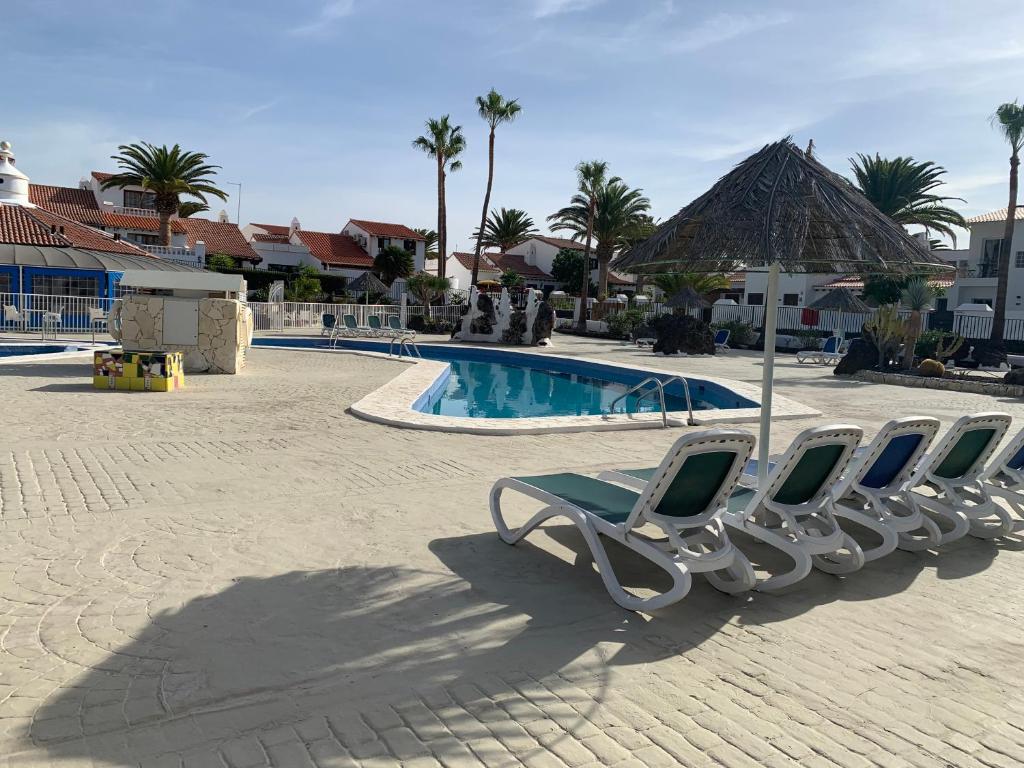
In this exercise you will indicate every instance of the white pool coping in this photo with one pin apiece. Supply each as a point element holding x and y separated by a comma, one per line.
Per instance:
<point>392,403</point>
<point>86,350</point>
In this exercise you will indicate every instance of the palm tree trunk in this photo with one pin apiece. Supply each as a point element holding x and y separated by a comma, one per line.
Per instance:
<point>604,256</point>
<point>912,337</point>
<point>487,203</point>
<point>165,229</point>
<point>585,287</point>
<point>999,315</point>
<point>442,250</point>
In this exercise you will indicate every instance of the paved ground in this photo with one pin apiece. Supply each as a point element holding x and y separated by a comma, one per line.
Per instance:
<point>244,575</point>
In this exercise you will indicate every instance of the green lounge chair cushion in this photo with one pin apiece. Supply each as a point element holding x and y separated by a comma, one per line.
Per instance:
<point>606,500</point>
<point>695,484</point>
<point>809,474</point>
<point>965,453</point>
<point>374,322</point>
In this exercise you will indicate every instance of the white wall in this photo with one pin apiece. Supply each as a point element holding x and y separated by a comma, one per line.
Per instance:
<point>801,284</point>
<point>372,246</point>
<point>542,254</point>
<point>284,254</point>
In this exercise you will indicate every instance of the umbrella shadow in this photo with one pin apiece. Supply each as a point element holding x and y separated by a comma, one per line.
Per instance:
<point>80,370</point>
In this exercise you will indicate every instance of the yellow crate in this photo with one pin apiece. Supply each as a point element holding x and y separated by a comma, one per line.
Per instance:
<point>138,371</point>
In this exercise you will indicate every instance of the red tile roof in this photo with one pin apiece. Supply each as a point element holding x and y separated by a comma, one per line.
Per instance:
<point>518,264</point>
<point>383,229</point>
<point>269,237</point>
<point>37,226</point>
<point>101,176</point>
<point>999,215</point>
<point>145,223</point>
<point>614,279</point>
<point>219,238</point>
<point>466,260</point>
<point>273,229</point>
<point>558,242</point>
<point>69,202</point>
<point>336,249</point>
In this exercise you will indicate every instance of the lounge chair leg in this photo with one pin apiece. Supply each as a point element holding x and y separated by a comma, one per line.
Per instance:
<point>911,541</point>
<point>735,578</point>
<point>847,559</point>
<point>954,517</point>
<point>802,563</point>
<point>890,539</point>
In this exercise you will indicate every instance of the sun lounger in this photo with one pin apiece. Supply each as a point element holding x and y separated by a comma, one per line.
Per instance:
<point>684,498</point>
<point>375,326</point>
<point>396,328</point>
<point>953,473</point>
<point>327,323</point>
<point>1004,475</point>
<point>872,492</point>
<point>793,511</point>
<point>722,339</point>
<point>829,354</point>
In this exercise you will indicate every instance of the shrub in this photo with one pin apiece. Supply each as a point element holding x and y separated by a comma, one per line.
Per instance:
<point>420,324</point>
<point>622,324</point>
<point>741,334</point>
<point>937,344</point>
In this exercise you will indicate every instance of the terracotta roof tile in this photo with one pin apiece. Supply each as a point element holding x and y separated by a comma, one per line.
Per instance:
<point>466,260</point>
<point>219,237</point>
<point>383,229</point>
<point>273,229</point>
<point>101,176</point>
<point>999,215</point>
<point>145,223</point>
<point>518,264</point>
<point>558,242</point>
<point>70,202</point>
<point>336,249</point>
<point>37,226</point>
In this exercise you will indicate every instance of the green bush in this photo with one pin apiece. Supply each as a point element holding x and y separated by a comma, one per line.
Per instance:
<point>420,324</point>
<point>622,324</point>
<point>741,334</point>
<point>262,278</point>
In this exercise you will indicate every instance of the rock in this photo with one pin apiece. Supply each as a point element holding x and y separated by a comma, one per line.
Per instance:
<point>989,354</point>
<point>513,334</point>
<point>863,355</point>
<point>484,323</point>
<point>682,333</point>
<point>543,324</point>
<point>1015,377</point>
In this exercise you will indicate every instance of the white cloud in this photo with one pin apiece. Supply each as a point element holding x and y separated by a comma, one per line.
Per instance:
<point>722,27</point>
<point>329,15</point>
<point>255,110</point>
<point>543,8</point>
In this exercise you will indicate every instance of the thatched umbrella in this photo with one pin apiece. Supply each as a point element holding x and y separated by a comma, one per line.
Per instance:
<point>842,299</point>
<point>368,282</point>
<point>782,209</point>
<point>685,298</point>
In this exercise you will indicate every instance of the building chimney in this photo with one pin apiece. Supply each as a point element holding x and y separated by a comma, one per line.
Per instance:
<point>13,183</point>
<point>222,217</point>
<point>294,227</point>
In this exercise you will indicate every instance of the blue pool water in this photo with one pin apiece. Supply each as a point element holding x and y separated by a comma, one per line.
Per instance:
<point>13,350</point>
<point>497,384</point>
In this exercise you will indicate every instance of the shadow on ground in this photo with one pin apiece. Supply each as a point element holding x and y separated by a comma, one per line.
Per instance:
<point>79,370</point>
<point>344,635</point>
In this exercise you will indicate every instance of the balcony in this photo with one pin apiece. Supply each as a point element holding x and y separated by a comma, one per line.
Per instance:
<point>129,211</point>
<point>190,257</point>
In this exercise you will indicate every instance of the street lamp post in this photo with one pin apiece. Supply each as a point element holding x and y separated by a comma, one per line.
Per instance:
<point>238,215</point>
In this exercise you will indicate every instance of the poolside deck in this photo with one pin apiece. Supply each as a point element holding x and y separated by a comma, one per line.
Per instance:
<point>243,574</point>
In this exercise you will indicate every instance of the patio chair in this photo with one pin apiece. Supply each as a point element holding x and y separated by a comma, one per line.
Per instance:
<point>97,317</point>
<point>793,511</point>
<point>722,339</point>
<point>395,326</point>
<point>375,325</point>
<point>327,323</point>
<point>684,498</point>
<point>953,474</point>
<point>350,328</point>
<point>1004,475</point>
<point>872,492</point>
<point>829,354</point>
<point>51,321</point>
<point>13,317</point>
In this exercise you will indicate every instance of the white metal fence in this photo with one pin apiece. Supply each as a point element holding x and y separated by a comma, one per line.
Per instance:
<point>280,316</point>
<point>67,314</point>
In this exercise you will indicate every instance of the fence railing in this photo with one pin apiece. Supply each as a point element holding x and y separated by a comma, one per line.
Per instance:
<point>980,327</point>
<point>64,314</point>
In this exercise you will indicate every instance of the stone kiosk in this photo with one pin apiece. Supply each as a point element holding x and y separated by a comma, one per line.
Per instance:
<point>200,314</point>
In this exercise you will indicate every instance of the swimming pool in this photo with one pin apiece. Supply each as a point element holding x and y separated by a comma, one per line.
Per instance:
<point>17,350</point>
<point>462,388</point>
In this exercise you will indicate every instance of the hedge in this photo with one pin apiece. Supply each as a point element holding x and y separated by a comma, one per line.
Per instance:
<point>261,278</point>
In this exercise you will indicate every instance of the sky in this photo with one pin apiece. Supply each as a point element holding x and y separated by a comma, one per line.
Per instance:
<point>312,105</point>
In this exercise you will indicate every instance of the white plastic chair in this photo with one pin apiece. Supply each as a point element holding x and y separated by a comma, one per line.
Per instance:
<point>12,315</point>
<point>51,321</point>
<point>97,316</point>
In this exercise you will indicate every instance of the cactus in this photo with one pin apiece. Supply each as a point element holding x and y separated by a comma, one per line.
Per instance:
<point>944,352</point>
<point>888,331</point>
<point>932,369</point>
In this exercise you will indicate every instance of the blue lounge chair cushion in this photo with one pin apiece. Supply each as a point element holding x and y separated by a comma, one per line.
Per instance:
<point>721,336</point>
<point>606,500</point>
<point>1018,459</point>
<point>891,461</point>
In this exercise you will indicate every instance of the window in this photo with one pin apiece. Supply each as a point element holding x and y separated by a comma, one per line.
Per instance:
<point>65,285</point>
<point>593,264</point>
<point>144,238</point>
<point>133,199</point>
<point>410,246</point>
<point>755,298</point>
<point>282,267</point>
<point>988,266</point>
<point>790,299</point>
<point>383,242</point>
<point>1018,260</point>
<point>5,283</point>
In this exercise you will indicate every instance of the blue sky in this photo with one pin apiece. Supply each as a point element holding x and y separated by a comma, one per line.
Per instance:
<point>312,104</point>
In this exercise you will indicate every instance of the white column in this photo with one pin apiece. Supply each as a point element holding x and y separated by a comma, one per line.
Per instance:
<point>771,308</point>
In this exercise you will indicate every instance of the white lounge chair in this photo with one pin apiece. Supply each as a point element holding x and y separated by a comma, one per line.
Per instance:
<point>793,510</point>
<point>396,328</point>
<point>349,327</point>
<point>684,499</point>
<point>722,339</point>
<point>829,354</point>
<point>872,492</point>
<point>1004,475</point>
<point>953,475</point>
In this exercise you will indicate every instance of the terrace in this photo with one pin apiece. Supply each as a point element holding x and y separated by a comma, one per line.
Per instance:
<point>246,574</point>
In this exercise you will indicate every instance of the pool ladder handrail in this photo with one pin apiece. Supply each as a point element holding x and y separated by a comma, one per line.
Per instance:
<point>406,345</point>
<point>659,387</point>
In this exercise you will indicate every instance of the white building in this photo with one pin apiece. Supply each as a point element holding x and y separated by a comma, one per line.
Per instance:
<point>540,251</point>
<point>978,269</point>
<point>459,267</point>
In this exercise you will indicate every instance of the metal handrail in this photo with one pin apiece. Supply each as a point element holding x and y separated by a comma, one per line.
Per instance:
<point>660,388</point>
<point>406,345</point>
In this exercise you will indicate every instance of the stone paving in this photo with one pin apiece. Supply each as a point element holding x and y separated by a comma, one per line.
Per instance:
<point>243,574</point>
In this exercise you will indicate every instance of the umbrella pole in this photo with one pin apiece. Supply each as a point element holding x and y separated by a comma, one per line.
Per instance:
<point>771,319</point>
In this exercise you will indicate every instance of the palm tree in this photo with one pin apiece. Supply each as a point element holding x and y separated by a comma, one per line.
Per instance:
<point>901,188</point>
<point>494,109</point>
<point>505,228</point>
<point>510,279</point>
<point>1009,119</point>
<point>168,174</point>
<point>393,262</point>
<point>430,242</point>
<point>188,208</point>
<point>427,287</point>
<point>917,296</point>
<point>618,211</point>
<point>444,142</point>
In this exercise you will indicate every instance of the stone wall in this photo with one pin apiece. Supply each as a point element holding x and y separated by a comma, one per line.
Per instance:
<point>224,333</point>
<point>504,325</point>
<point>996,387</point>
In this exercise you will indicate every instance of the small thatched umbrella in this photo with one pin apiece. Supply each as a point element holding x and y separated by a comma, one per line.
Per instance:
<point>685,298</point>
<point>368,282</point>
<point>842,299</point>
<point>782,209</point>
